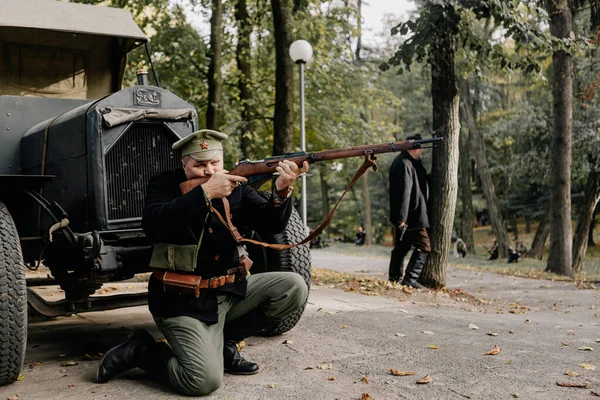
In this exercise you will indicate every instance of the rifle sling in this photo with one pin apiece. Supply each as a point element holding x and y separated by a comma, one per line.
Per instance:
<point>368,163</point>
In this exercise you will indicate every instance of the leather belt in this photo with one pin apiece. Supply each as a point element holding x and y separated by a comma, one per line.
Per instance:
<point>188,284</point>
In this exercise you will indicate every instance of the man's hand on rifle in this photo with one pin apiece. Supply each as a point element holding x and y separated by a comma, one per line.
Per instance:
<point>221,184</point>
<point>288,173</point>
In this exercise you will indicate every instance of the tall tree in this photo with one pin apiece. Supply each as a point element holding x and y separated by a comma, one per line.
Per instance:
<point>560,252</point>
<point>214,66</point>
<point>489,189</point>
<point>243,58</point>
<point>466,194</point>
<point>283,132</point>
<point>440,27</point>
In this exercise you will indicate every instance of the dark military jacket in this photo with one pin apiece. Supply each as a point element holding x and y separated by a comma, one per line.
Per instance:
<point>408,192</point>
<point>170,217</point>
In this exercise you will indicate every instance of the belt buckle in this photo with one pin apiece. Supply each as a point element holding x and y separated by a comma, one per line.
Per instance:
<point>211,280</point>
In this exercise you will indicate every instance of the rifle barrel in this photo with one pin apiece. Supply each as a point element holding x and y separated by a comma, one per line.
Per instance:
<point>249,168</point>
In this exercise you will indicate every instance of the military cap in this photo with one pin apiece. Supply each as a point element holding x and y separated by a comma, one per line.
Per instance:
<point>202,145</point>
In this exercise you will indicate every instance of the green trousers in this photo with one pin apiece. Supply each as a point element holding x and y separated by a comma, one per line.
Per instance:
<point>197,368</point>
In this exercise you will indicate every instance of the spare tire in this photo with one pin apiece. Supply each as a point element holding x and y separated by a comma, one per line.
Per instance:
<point>13,300</point>
<point>297,259</point>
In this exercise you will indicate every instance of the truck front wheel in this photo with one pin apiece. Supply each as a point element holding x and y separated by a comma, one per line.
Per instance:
<point>13,300</point>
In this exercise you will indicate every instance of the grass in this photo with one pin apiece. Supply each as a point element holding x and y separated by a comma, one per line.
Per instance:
<point>483,236</point>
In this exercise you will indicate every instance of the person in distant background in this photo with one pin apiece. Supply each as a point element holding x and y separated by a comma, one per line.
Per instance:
<point>513,255</point>
<point>360,236</point>
<point>460,248</point>
<point>493,250</point>
<point>520,247</point>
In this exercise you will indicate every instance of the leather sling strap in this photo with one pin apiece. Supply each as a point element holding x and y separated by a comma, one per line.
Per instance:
<point>368,163</point>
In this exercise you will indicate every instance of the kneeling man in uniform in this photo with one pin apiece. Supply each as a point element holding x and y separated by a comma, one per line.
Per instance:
<point>201,295</point>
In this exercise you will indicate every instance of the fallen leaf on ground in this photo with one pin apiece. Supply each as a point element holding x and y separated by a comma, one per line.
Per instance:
<point>366,396</point>
<point>365,380</point>
<point>494,351</point>
<point>20,377</point>
<point>511,331</point>
<point>308,368</point>
<point>35,364</point>
<point>70,385</point>
<point>585,348</point>
<point>515,395</point>
<point>344,326</point>
<point>565,344</point>
<point>88,357</point>
<point>69,363</point>
<point>572,384</point>
<point>271,386</point>
<point>432,347</point>
<point>471,326</point>
<point>400,334</point>
<point>13,397</point>
<point>595,393</point>
<point>331,379</point>
<point>426,379</point>
<point>287,341</point>
<point>493,333</point>
<point>589,367</point>
<point>571,373</point>
<point>325,366</point>
<point>527,321</point>
<point>397,372</point>
<point>428,332</point>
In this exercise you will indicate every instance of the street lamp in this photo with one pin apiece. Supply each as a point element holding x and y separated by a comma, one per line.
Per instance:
<point>301,52</point>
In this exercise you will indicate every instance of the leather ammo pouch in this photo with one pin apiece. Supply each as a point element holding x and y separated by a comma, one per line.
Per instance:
<point>184,284</point>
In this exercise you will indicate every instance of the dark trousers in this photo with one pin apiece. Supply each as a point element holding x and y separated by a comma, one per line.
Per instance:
<point>417,238</point>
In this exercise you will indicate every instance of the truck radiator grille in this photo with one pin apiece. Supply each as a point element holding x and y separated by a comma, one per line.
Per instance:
<point>141,152</point>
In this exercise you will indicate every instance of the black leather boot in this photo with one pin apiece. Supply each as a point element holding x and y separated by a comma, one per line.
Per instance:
<point>414,269</point>
<point>396,265</point>
<point>237,330</point>
<point>125,356</point>
<point>234,363</point>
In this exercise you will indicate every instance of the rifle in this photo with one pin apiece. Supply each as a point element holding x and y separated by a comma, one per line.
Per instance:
<point>255,171</point>
<point>259,171</point>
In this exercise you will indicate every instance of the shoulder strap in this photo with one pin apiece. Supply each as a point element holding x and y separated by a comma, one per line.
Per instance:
<point>368,163</point>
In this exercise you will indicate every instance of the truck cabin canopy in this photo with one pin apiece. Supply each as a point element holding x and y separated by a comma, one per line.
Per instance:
<point>51,48</point>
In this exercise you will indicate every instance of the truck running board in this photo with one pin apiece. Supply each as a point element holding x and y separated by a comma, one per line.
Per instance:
<point>99,303</point>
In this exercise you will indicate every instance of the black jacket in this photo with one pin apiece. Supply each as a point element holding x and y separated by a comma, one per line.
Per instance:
<point>408,192</point>
<point>170,217</point>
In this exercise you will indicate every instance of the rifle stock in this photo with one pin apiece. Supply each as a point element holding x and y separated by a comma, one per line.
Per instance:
<point>250,168</point>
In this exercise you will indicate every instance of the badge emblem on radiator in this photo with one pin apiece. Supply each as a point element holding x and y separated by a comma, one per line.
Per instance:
<point>146,97</point>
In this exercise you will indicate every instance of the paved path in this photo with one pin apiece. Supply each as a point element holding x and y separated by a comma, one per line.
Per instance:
<point>344,337</point>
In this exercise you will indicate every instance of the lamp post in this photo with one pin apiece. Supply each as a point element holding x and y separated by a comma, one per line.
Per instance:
<point>301,52</point>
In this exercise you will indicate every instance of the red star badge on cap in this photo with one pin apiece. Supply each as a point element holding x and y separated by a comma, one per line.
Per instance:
<point>204,145</point>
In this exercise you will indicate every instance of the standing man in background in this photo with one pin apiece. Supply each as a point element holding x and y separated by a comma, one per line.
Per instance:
<point>408,192</point>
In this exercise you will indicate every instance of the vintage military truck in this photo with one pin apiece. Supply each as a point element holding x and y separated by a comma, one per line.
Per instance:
<point>76,152</point>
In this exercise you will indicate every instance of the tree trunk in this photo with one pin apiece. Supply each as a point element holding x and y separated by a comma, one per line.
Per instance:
<point>367,223</point>
<point>487,184</point>
<point>560,252</point>
<point>283,129</point>
<point>464,176</point>
<point>591,231</point>
<point>513,224</point>
<point>580,241</point>
<point>243,57</point>
<point>527,224</point>
<point>214,66</point>
<point>444,179</point>
<point>359,29</point>
<point>539,239</point>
